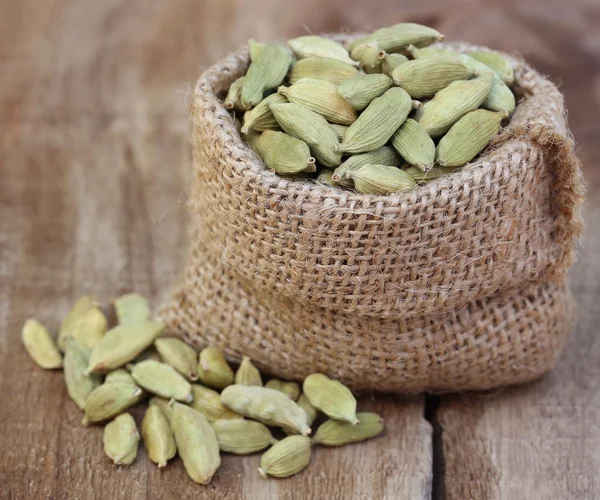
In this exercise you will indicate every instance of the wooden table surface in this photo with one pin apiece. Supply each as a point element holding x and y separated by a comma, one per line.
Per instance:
<point>94,166</point>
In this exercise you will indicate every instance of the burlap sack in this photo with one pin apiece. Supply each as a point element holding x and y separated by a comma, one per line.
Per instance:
<point>458,284</point>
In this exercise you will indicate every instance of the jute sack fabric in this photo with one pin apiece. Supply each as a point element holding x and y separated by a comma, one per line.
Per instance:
<point>458,284</point>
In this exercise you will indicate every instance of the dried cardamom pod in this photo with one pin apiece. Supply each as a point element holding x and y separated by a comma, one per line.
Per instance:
<point>330,396</point>
<point>380,179</point>
<point>302,123</point>
<point>370,56</point>
<point>322,97</point>
<point>414,144</point>
<point>497,62</point>
<point>337,433</point>
<point>362,89</point>
<point>109,400</point>
<point>121,439</point>
<point>242,437</point>
<point>286,458</point>
<point>233,99</point>
<point>208,402</point>
<point>265,72</point>
<point>131,308</point>
<point>290,389</point>
<point>247,373</point>
<point>450,104</point>
<point>86,324</point>
<point>196,443</point>
<point>120,375</point>
<point>40,346</point>
<point>424,77</point>
<point>79,386</point>
<point>322,68</point>
<point>284,154</point>
<point>420,53</point>
<point>121,345</point>
<point>265,405</point>
<point>261,117</point>
<point>146,354</point>
<point>325,176</point>
<point>158,436</point>
<point>163,380</point>
<point>310,410</point>
<point>163,404</point>
<point>386,155</point>
<point>340,130</point>
<point>468,136</point>
<point>424,177</point>
<point>213,369</point>
<point>391,62</point>
<point>179,355</point>
<point>255,48</point>
<point>317,46</point>
<point>399,36</point>
<point>376,125</point>
<point>69,324</point>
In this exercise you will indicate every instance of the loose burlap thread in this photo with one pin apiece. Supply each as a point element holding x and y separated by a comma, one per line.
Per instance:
<point>458,284</point>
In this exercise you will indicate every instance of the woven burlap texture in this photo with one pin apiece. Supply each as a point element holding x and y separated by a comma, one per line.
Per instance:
<point>458,284</point>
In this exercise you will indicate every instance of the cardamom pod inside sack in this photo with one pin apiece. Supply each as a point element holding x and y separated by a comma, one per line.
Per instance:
<point>276,251</point>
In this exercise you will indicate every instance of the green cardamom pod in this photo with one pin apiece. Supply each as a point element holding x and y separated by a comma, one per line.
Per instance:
<point>414,144</point>
<point>233,99</point>
<point>450,104</point>
<point>242,437</point>
<point>370,56</point>
<point>284,154</point>
<point>158,436</point>
<point>391,62</point>
<point>255,48</point>
<point>208,402</point>
<point>325,176</point>
<point>340,130</point>
<point>378,122</point>
<point>265,72</point>
<point>290,389</point>
<point>336,433</point>
<point>399,36</point>
<point>420,53</point>
<point>497,62</point>
<point>196,442</point>
<point>304,124</point>
<point>213,369</point>
<point>163,404</point>
<point>321,97</point>
<point>468,137</point>
<point>145,355</point>
<point>247,373</point>
<point>121,439</point>
<point>85,323</point>
<point>179,355</point>
<point>121,345</point>
<point>261,117</point>
<point>424,177</point>
<point>380,179</point>
<point>424,77</point>
<point>310,410</point>
<point>386,155</point>
<point>69,324</point>
<point>120,375</point>
<point>330,396</point>
<point>79,385</point>
<point>163,380</point>
<point>317,46</point>
<point>362,89</point>
<point>265,405</point>
<point>40,346</point>
<point>322,68</point>
<point>108,400</point>
<point>286,458</point>
<point>132,308</point>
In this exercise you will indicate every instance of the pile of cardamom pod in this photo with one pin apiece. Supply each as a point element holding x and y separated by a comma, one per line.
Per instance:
<point>108,371</point>
<point>380,116</point>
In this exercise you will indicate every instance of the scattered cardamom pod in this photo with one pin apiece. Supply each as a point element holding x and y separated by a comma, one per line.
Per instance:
<point>163,380</point>
<point>468,136</point>
<point>424,77</point>
<point>424,177</point>
<point>261,117</point>
<point>330,396</point>
<point>317,46</point>
<point>40,346</point>
<point>287,457</point>
<point>179,355</point>
<point>391,62</point>
<point>208,402</point>
<point>145,355</point>
<point>120,375</point>
<point>69,324</point>
<point>497,62</point>
<point>266,71</point>
<point>399,36</point>
<point>414,144</point>
<point>370,56</point>
<point>242,437</point>
<point>158,436</point>
<point>163,404</point>
<point>247,373</point>
<point>75,362</point>
<point>450,104</point>
<point>233,99</point>
<point>310,410</point>
<point>321,97</point>
<point>362,89</point>
<point>255,48</point>
<point>121,439</point>
<point>284,154</point>
<point>131,308</point>
<point>213,369</point>
<point>108,400</point>
<point>322,68</point>
<point>380,179</point>
<point>326,176</point>
<point>265,405</point>
<point>304,124</point>
<point>337,433</point>
<point>386,155</point>
<point>290,389</point>
<point>420,53</point>
<point>377,123</point>
<point>196,443</point>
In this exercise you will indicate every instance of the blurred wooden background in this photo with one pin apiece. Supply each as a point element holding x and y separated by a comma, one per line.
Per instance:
<point>94,165</point>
